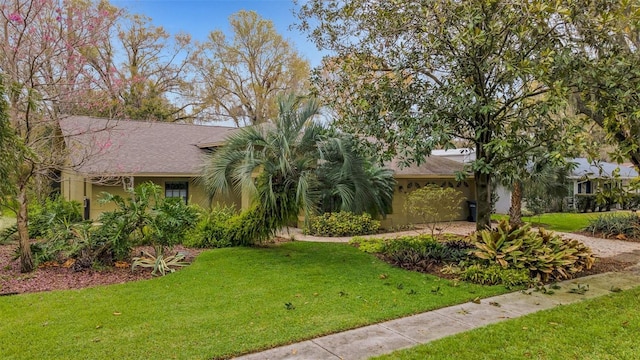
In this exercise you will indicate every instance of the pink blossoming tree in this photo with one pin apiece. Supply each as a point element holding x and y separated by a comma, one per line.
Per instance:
<point>45,48</point>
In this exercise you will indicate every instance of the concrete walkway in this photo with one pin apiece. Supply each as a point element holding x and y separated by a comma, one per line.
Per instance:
<point>386,337</point>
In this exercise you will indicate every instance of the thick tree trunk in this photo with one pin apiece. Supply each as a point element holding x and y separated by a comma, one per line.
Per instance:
<point>515,211</point>
<point>483,203</point>
<point>26,259</point>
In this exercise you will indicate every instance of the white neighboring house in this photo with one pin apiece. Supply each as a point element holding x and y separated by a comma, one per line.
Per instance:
<point>462,155</point>
<point>587,177</point>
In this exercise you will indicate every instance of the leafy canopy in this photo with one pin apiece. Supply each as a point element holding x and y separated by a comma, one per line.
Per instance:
<point>421,75</point>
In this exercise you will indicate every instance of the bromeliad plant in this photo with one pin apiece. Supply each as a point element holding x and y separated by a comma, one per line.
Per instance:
<point>546,255</point>
<point>159,263</point>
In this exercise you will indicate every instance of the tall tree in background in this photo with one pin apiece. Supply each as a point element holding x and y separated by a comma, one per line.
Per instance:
<point>42,56</point>
<point>155,68</point>
<point>417,75</point>
<point>240,79</point>
<point>143,73</point>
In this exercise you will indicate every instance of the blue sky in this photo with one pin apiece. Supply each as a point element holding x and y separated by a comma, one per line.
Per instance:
<point>199,17</point>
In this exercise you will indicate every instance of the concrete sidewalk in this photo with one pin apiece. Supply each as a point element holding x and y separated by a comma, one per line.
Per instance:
<point>386,337</point>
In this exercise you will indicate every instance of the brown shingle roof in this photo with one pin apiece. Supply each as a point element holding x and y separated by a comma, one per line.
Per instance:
<point>121,147</point>
<point>432,166</point>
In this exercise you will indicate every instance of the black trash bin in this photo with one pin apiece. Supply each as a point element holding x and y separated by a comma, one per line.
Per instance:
<point>471,204</point>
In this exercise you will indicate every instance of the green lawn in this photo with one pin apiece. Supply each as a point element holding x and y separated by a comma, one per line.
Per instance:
<point>565,222</point>
<point>230,301</point>
<point>601,328</point>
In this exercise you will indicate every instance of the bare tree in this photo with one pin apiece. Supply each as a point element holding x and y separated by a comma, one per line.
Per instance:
<point>240,79</point>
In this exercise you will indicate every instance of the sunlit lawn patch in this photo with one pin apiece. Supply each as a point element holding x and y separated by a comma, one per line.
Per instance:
<point>601,328</point>
<point>565,222</point>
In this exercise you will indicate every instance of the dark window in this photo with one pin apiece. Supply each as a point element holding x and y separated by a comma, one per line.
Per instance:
<point>584,187</point>
<point>177,190</point>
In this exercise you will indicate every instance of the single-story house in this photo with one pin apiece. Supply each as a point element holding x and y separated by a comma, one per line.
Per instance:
<point>111,155</point>
<point>107,155</point>
<point>587,178</point>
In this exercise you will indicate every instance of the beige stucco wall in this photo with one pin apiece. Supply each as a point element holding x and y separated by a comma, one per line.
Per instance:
<point>404,186</point>
<point>76,187</point>
<point>72,186</point>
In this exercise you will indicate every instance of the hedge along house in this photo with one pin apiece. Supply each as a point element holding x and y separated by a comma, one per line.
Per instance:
<point>113,155</point>
<point>434,170</point>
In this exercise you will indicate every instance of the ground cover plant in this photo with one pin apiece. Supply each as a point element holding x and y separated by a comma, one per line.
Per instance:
<point>563,222</point>
<point>547,256</point>
<point>601,328</point>
<point>229,301</point>
<point>621,226</point>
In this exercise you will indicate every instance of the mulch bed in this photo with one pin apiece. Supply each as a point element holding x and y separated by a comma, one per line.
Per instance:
<point>54,276</point>
<point>59,277</point>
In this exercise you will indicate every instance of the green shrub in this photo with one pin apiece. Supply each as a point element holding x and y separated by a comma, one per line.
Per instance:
<point>453,250</point>
<point>369,245</point>
<point>459,249</point>
<point>223,227</point>
<point>44,219</point>
<point>616,225</point>
<point>125,226</point>
<point>418,243</point>
<point>171,220</point>
<point>78,242</point>
<point>211,229</point>
<point>250,227</point>
<point>422,259</point>
<point>144,218</point>
<point>426,255</point>
<point>545,255</point>
<point>495,275</point>
<point>341,223</point>
<point>632,201</point>
<point>9,234</point>
<point>417,253</point>
<point>586,202</point>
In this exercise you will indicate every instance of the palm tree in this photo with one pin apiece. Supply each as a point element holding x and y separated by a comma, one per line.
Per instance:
<point>543,179</point>
<point>296,164</point>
